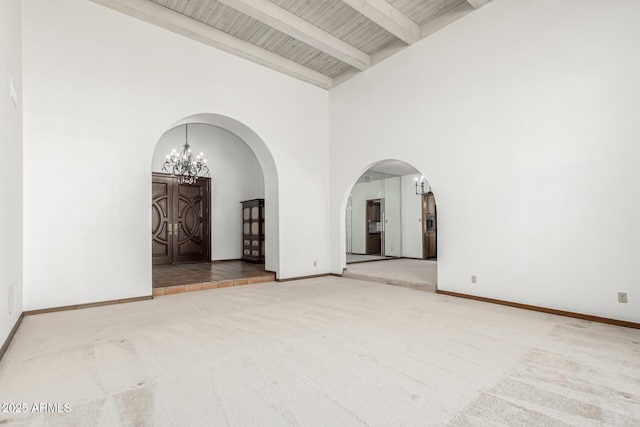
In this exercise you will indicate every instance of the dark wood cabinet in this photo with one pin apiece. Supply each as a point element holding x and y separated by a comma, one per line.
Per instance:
<point>253,230</point>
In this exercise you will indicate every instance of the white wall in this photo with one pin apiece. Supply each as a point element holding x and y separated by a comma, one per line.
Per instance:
<point>525,115</point>
<point>235,174</point>
<point>411,218</point>
<point>11,171</point>
<point>392,217</point>
<point>100,90</point>
<point>361,192</point>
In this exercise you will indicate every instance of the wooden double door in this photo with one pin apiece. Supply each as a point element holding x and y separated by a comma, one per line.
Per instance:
<point>180,220</point>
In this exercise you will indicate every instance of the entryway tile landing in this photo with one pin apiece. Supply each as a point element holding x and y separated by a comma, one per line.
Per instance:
<point>177,279</point>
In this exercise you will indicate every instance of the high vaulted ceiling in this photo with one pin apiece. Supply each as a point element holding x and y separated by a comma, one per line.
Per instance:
<point>323,42</point>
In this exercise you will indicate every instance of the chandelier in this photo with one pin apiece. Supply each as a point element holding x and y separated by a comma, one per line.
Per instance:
<point>421,192</point>
<point>184,165</point>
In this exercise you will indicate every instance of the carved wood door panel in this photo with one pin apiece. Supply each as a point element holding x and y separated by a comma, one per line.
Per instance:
<point>191,224</point>
<point>161,220</point>
<point>180,220</point>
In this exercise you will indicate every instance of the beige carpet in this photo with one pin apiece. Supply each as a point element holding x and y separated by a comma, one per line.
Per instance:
<point>321,352</point>
<point>411,273</point>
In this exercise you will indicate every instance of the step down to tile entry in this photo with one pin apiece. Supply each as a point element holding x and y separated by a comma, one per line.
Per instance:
<point>179,289</point>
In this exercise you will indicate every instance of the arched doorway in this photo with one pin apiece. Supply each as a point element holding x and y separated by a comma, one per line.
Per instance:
<point>241,169</point>
<point>390,216</point>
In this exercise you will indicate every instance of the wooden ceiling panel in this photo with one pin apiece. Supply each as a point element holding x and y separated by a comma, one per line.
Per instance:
<point>423,11</point>
<point>192,7</point>
<point>312,58</point>
<point>341,21</point>
<point>171,4</point>
<point>313,40</point>
<point>250,30</point>
<point>179,5</point>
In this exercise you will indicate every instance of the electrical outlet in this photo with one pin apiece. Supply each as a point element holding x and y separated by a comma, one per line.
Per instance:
<point>315,263</point>
<point>622,297</point>
<point>474,279</point>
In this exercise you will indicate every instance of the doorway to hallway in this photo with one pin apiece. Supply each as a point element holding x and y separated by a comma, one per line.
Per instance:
<point>374,227</point>
<point>391,227</point>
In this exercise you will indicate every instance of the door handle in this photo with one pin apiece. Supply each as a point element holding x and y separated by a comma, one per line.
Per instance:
<point>172,228</point>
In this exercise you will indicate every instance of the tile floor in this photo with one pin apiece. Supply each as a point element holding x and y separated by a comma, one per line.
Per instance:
<point>174,279</point>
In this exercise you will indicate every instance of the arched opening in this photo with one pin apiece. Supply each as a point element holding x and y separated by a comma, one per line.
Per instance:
<point>241,170</point>
<point>391,226</point>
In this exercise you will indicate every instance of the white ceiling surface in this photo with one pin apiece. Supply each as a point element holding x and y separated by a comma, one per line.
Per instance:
<point>322,42</point>
<point>394,167</point>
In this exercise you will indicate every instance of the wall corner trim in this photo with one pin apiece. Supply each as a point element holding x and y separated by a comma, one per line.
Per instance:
<point>5,346</point>
<point>581,316</point>
<point>291,279</point>
<point>87,305</point>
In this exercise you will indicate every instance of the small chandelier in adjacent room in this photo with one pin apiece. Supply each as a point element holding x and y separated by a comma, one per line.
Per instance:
<point>421,192</point>
<point>184,165</point>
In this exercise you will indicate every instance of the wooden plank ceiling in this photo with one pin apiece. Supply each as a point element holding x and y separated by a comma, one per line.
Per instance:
<point>322,42</point>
